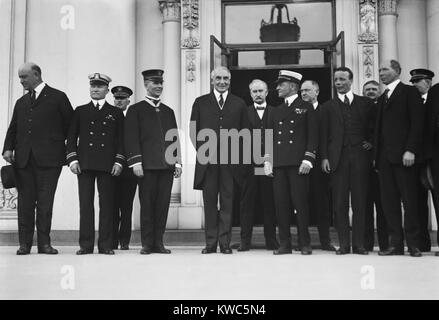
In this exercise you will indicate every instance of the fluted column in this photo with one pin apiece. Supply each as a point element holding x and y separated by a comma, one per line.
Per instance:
<point>412,33</point>
<point>170,10</point>
<point>388,48</point>
<point>432,35</point>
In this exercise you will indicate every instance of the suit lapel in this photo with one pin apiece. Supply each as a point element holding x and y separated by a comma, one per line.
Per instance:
<point>395,93</point>
<point>214,106</point>
<point>338,111</point>
<point>41,97</point>
<point>360,110</point>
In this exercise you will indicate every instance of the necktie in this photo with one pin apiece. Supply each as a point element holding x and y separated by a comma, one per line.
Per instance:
<point>32,96</point>
<point>423,100</point>
<point>346,100</point>
<point>221,101</point>
<point>156,101</point>
<point>97,106</point>
<point>386,96</point>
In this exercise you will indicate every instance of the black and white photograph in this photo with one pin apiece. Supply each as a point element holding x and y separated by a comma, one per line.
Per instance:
<point>219,156</point>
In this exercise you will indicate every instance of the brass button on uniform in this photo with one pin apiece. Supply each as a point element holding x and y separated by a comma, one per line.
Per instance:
<point>90,144</point>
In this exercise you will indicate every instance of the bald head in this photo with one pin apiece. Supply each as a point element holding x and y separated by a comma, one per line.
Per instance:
<point>30,75</point>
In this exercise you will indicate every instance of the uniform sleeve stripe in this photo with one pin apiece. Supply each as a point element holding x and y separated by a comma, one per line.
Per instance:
<point>310,154</point>
<point>120,156</point>
<point>134,157</point>
<point>71,154</point>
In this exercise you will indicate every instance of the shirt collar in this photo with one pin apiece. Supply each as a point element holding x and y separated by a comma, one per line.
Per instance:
<point>315,105</point>
<point>264,105</point>
<point>39,88</point>
<point>425,96</point>
<point>217,94</point>
<point>291,99</point>
<point>392,86</point>
<point>349,94</point>
<point>151,100</point>
<point>101,103</point>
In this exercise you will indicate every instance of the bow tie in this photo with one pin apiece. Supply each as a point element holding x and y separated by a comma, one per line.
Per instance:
<point>260,108</point>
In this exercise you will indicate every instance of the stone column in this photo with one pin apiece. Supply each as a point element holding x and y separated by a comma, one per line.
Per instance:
<point>13,49</point>
<point>412,36</point>
<point>432,35</point>
<point>388,48</point>
<point>170,10</point>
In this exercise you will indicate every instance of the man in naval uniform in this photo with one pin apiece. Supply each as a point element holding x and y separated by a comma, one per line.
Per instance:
<point>422,79</point>
<point>126,184</point>
<point>95,153</point>
<point>153,154</point>
<point>295,135</point>
<point>319,195</point>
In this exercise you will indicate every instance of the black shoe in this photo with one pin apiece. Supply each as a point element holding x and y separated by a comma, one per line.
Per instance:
<point>23,251</point>
<point>145,250</point>
<point>115,246</point>
<point>437,254</point>
<point>271,244</point>
<point>296,248</point>
<point>415,252</point>
<point>226,250</point>
<point>124,247</point>
<point>342,251</point>
<point>392,251</point>
<point>106,251</point>
<point>328,247</point>
<point>161,249</point>
<point>82,251</point>
<point>360,250</point>
<point>282,251</point>
<point>306,251</point>
<point>208,250</point>
<point>47,249</point>
<point>243,247</point>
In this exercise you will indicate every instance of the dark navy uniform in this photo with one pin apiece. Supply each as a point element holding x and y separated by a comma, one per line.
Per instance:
<point>95,139</point>
<point>295,139</point>
<point>146,127</point>
<point>125,188</point>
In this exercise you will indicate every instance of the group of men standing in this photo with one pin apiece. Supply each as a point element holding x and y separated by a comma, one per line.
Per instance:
<point>363,150</point>
<point>107,145</point>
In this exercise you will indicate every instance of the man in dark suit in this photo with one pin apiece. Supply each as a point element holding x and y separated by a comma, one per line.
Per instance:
<point>98,156</point>
<point>126,184</point>
<point>295,137</point>
<point>215,173</point>
<point>35,145</point>
<point>256,186</point>
<point>432,146</point>
<point>422,79</point>
<point>346,135</point>
<point>319,196</point>
<point>371,89</point>
<point>398,144</point>
<point>153,152</point>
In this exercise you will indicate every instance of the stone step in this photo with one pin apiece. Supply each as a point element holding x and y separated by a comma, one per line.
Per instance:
<point>178,237</point>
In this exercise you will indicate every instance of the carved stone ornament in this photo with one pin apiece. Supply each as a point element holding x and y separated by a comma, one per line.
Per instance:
<point>190,66</point>
<point>170,10</point>
<point>387,7</point>
<point>8,199</point>
<point>368,62</point>
<point>368,21</point>
<point>190,25</point>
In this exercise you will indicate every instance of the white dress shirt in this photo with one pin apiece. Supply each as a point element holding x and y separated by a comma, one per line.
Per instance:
<point>38,89</point>
<point>392,86</point>
<point>217,95</point>
<point>260,112</point>
<point>101,102</point>
<point>290,99</point>
<point>349,94</point>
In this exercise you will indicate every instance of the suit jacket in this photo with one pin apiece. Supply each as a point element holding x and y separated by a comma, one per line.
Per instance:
<point>431,145</point>
<point>295,133</point>
<point>40,128</point>
<point>255,124</point>
<point>95,137</point>
<point>401,121</point>
<point>333,129</point>
<point>206,114</point>
<point>145,136</point>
